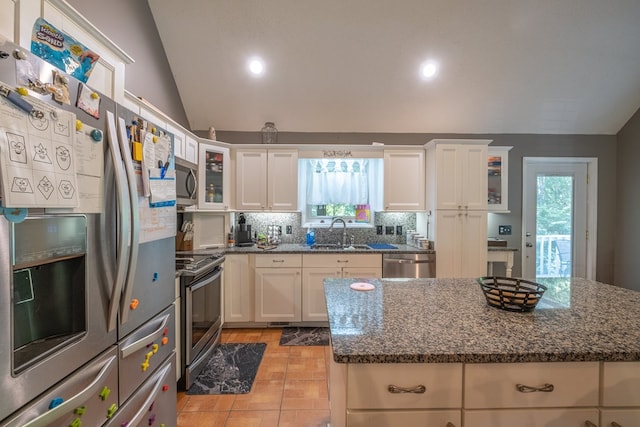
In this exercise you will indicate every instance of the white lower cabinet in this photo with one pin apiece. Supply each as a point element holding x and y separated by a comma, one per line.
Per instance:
<point>404,385</point>
<point>531,385</point>
<point>461,243</point>
<point>278,288</point>
<point>317,267</point>
<point>238,288</point>
<point>548,394</point>
<point>561,417</point>
<point>435,418</point>
<point>620,394</point>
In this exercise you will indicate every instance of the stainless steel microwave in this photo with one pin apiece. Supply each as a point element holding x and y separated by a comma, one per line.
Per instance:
<point>186,182</point>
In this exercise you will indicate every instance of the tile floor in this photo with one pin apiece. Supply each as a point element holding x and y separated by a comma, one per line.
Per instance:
<point>290,389</point>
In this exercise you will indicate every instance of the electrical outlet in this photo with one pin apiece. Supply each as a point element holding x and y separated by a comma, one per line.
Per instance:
<point>504,230</point>
<point>289,229</point>
<point>378,229</point>
<point>388,229</point>
<point>399,230</point>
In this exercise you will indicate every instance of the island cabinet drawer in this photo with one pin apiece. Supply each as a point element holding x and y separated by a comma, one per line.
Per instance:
<point>436,418</point>
<point>622,417</point>
<point>282,260</point>
<point>404,385</point>
<point>564,417</point>
<point>526,385</point>
<point>342,260</point>
<point>621,384</point>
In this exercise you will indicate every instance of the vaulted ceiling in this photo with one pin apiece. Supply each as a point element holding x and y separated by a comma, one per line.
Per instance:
<point>504,66</point>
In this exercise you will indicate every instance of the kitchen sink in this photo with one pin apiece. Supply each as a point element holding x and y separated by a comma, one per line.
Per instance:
<point>337,247</point>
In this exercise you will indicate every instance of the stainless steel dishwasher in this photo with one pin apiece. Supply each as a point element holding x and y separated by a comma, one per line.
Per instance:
<point>409,265</point>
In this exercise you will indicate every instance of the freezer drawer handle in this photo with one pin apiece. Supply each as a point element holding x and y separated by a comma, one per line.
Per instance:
<point>144,341</point>
<point>420,389</point>
<point>144,408</point>
<point>64,408</point>
<point>547,388</point>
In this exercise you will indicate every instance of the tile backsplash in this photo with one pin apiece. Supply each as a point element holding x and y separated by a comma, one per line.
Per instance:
<point>388,220</point>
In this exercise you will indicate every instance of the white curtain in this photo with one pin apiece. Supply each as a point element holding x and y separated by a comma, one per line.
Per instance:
<point>333,181</point>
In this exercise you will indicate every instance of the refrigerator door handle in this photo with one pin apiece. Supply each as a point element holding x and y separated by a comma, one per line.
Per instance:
<point>89,392</point>
<point>134,217</point>
<point>144,408</point>
<point>144,341</point>
<point>122,221</point>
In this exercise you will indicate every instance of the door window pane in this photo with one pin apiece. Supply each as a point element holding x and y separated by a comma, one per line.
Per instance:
<point>554,226</point>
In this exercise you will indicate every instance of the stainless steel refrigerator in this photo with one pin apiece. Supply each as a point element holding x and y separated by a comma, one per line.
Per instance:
<point>86,293</point>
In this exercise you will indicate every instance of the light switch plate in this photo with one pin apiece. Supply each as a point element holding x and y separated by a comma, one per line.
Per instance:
<point>388,229</point>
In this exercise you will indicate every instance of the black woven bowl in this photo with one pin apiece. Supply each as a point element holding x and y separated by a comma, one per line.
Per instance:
<point>510,293</point>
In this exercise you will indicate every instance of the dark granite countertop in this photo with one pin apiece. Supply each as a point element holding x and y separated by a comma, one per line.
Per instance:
<point>448,320</point>
<point>295,248</point>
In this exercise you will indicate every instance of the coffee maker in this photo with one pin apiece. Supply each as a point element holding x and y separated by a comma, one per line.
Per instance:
<point>243,232</point>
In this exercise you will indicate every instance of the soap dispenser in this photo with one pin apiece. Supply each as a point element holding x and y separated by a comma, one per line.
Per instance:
<point>311,237</point>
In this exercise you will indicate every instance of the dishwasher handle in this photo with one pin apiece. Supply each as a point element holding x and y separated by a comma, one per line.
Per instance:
<point>409,261</point>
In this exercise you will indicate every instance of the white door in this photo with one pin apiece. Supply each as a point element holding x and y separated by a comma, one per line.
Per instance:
<point>558,217</point>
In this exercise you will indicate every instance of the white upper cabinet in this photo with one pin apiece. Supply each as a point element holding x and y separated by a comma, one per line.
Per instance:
<point>498,179</point>
<point>266,180</point>
<point>190,149</point>
<point>213,178</point>
<point>404,180</point>
<point>108,73</point>
<point>457,174</point>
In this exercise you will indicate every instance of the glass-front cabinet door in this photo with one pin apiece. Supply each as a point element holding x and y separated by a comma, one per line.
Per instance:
<point>498,184</point>
<point>214,174</point>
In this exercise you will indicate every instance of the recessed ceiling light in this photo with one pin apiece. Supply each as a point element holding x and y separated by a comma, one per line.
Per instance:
<point>256,66</point>
<point>428,70</point>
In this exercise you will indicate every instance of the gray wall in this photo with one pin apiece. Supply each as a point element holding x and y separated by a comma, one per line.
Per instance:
<point>602,147</point>
<point>130,25</point>
<point>627,236</point>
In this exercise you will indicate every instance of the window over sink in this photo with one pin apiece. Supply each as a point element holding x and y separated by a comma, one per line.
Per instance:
<point>350,188</point>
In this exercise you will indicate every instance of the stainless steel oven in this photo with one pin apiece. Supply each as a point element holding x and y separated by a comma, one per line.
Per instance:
<point>201,310</point>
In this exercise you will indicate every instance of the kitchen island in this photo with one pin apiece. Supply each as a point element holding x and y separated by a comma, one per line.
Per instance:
<point>431,352</point>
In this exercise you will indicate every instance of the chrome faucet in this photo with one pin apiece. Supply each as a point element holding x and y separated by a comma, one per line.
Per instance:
<point>344,229</point>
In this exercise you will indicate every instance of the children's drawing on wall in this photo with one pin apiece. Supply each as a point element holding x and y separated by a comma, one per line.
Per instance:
<point>37,158</point>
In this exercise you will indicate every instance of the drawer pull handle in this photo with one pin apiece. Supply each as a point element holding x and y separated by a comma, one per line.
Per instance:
<point>397,389</point>
<point>450,424</point>
<point>615,424</point>
<point>547,388</point>
<point>589,424</point>
<point>278,260</point>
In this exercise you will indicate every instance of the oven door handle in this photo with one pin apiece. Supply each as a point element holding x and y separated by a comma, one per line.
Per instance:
<point>199,285</point>
<point>93,389</point>
<point>149,338</point>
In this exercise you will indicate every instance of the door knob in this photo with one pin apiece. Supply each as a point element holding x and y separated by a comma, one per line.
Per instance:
<point>529,245</point>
